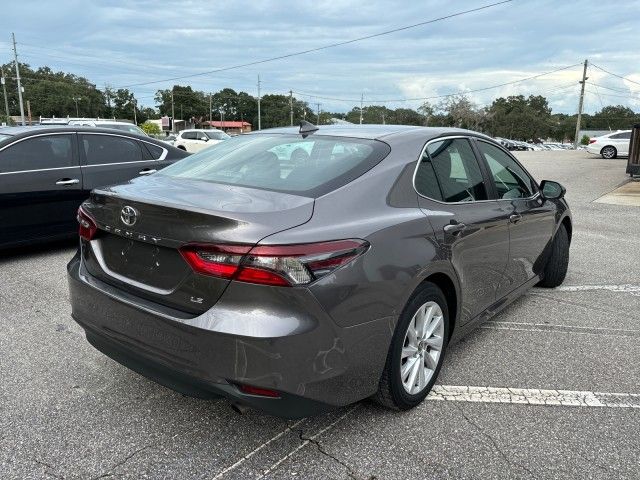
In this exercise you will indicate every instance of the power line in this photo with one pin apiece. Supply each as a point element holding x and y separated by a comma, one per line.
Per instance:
<point>433,97</point>
<point>615,74</point>
<point>324,47</point>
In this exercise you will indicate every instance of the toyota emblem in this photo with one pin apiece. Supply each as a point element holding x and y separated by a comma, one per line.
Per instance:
<point>129,215</point>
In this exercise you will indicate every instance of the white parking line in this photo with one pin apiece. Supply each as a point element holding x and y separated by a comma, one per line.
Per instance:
<point>625,288</point>
<point>305,443</point>
<point>531,396</point>
<point>256,450</point>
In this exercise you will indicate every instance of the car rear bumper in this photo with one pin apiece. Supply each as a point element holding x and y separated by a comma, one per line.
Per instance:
<point>288,344</point>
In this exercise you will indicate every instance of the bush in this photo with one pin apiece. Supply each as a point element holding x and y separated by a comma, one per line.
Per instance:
<point>8,120</point>
<point>151,128</point>
<point>585,140</point>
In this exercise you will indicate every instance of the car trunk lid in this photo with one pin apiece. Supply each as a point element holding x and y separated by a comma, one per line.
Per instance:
<point>141,254</point>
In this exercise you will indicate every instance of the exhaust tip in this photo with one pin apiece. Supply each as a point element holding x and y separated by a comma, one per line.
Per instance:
<point>239,408</point>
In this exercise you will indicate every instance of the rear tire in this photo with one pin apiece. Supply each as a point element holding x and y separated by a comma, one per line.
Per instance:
<point>414,361</point>
<point>609,152</point>
<point>556,268</point>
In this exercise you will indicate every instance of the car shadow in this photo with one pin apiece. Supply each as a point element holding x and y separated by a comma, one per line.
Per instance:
<point>54,246</point>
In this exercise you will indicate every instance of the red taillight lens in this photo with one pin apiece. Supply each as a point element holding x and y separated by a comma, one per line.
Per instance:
<point>592,140</point>
<point>280,265</point>
<point>217,260</point>
<point>263,392</point>
<point>87,226</point>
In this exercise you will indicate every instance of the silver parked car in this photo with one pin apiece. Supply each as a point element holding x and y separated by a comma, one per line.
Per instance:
<point>301,270</point>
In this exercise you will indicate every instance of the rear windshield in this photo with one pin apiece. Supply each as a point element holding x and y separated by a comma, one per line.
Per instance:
<point>217,135</point>
<point>309,166</point>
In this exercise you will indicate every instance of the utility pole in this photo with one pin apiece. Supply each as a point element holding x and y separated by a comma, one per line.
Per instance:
<point>583,82</point>
<point>259,119</point>
<point>135,115</point>
<point>361,106</point>
<point>291,106</point>
<point>173,113</point>
<point>15,57</point>
<point>29,111</point>
<point>318,121</point>
<point>108,94</point>
<point>4,91</point>
<point>209,109</point>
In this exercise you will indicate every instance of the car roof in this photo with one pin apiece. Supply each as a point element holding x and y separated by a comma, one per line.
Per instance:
<point>25,131</point>
<point>378,132</point>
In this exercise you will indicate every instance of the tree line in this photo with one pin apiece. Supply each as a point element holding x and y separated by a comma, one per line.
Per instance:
<point>62,94</point>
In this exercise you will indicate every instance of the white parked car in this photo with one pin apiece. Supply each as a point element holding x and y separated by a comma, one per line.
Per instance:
<point>122,126</point>
<point>611,145</point>
<point>193,140</point>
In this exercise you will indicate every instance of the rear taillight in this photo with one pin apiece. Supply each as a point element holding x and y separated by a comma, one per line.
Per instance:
<point>87,226</point>
<point>593,140</point>
<point>281,265</point>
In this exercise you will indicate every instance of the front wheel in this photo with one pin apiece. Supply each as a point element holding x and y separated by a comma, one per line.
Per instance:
<point>609,152</point>
<point>417,350</point>
<point>556,268</point>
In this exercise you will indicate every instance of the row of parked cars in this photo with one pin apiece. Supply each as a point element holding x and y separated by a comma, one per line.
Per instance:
<point>516,145</point>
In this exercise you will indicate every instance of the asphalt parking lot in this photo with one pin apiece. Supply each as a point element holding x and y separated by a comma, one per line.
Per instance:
<point>561,367</point>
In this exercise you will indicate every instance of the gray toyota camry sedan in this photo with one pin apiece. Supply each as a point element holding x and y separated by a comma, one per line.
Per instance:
<point>296,270</point>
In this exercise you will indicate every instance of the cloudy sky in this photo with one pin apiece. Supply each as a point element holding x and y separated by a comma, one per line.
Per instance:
<point>126,43</point>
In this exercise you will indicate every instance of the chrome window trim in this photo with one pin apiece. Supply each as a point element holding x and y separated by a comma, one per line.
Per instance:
<point>165,152</point>
<point>37,169</point>
<point>468,138</point>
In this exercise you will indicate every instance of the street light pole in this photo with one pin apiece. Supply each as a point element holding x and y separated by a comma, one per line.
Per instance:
<point>75,99</point>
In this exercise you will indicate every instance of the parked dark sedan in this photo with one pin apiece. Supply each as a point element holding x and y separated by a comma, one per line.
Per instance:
<point>300,270</point>
<point>47,172</point>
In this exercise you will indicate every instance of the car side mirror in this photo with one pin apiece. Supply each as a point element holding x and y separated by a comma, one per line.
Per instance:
<point>552,190</point>
<point>204,139</point>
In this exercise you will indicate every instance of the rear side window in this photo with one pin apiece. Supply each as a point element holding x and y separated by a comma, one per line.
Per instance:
<point>38,153</point>
<point>155,151</point>
<point>449,172</point>
<point>510,178</point>
<point>104,149</point>
<point>190,135</point>
<point>286,163</point>
<point>621,136</point>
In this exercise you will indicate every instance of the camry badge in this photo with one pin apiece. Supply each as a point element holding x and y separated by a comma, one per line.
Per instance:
<point>129,215</point>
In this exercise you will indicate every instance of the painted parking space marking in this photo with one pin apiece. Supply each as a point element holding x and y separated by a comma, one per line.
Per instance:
<point>547,327</point>
<point>624,288</point>
<point>307,441</point>
<point>256,450</point>
<point>532,396</point>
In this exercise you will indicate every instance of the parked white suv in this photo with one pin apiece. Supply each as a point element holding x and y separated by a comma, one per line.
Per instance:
<point>193,140</point>
<point>611,145</point>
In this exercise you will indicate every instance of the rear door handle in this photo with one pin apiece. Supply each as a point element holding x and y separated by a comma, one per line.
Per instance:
<point>515,218</point>
<point>147,171</point>
<point>68,181</point>
<point>454,228</point>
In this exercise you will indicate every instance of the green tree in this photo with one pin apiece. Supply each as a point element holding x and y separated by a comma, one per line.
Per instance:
<point>151,128</point>
<point>612,117</point>
<point>585,140</point>
<point>51,93</point>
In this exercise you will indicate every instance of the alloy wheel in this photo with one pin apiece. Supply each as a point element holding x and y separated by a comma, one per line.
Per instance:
<point>422,347</point>
<point>608,152</point>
